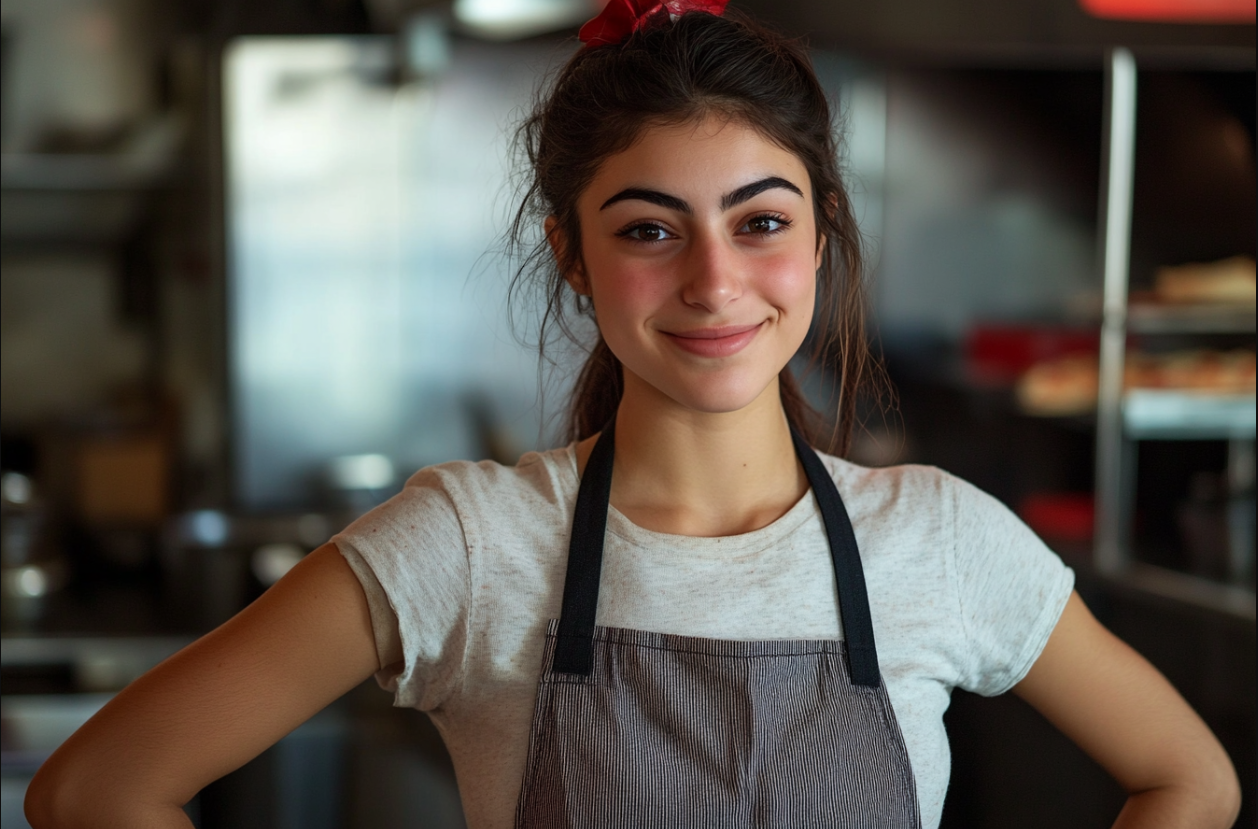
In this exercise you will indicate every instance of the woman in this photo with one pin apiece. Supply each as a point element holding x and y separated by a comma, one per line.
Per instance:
<point>730,629</point>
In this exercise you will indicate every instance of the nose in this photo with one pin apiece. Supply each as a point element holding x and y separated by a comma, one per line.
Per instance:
<point>713,273</point>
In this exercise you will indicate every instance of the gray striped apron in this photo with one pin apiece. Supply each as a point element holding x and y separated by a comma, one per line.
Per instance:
<point>637,729</point>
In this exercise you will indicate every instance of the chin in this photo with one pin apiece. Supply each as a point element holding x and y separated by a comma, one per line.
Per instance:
<point>719,395</point>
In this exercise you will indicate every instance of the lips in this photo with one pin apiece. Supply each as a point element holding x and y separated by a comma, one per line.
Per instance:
<point>718,341</point>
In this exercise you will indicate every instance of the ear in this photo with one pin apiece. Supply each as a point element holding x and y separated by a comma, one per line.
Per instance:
<point>558,241</point>
<point>832,204</point>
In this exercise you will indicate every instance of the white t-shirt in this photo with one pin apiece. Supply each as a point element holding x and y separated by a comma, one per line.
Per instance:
<point>464,568</point>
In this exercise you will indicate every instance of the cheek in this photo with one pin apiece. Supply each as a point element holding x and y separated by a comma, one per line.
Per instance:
<point>789,282</point>
<point>626,293</point>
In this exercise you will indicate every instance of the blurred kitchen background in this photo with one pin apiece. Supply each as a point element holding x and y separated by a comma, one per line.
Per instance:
<point>253,277</point>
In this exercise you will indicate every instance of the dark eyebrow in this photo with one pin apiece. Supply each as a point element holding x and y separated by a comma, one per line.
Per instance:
<point>750,191</point>
<point>742,194</point>
<point>653,196</point>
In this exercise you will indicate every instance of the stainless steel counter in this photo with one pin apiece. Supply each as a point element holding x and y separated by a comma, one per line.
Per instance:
<point>358,763</point>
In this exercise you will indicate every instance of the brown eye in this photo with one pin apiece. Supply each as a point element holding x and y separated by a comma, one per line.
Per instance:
<point>646,233</point>
<point>765,225</point>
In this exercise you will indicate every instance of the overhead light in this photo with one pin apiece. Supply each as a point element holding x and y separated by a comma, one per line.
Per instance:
<point>514,19</point>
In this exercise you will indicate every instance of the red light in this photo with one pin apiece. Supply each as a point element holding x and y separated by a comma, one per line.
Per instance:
<point>1172,11</point>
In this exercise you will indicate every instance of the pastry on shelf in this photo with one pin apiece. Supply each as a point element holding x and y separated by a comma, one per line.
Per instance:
<point>1225,282</point>
<point>1067,386</point>
<point>1059,387</point>
<point>1207,372</point>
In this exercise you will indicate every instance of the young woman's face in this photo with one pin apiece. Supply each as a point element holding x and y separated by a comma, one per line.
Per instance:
<point>700,253</point>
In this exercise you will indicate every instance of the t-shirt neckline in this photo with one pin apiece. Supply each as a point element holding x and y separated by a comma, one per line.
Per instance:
<point>755,541</point>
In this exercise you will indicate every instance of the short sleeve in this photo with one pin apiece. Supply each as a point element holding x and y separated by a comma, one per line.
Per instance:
<point>411,558</point>
<point>1011,589</point>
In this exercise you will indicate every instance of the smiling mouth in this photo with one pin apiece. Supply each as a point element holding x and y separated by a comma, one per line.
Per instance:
<point>720,341</point>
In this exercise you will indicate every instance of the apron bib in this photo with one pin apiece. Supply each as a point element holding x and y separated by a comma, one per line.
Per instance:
<point>637,729</point>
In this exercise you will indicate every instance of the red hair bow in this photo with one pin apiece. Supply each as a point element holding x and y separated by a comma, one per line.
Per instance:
<point>621,18</point>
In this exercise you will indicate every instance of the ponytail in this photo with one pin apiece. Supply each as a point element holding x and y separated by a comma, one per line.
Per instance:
<point>597,393</point>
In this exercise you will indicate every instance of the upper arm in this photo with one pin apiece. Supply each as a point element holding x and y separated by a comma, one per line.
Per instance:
<point>217,703</point>
<point>1123,713</point>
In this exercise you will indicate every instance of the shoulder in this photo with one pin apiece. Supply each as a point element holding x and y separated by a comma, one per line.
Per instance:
<point>459,496</point>
<point>918,498</point>
<point>492,502</point>
<point>905,486</point>
<point>537,477</point>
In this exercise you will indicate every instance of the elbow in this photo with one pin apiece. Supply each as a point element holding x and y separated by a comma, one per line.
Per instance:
<point>1217,791</point>
<point>1227,796</point>
<point>70,792</point>
<point>1202,791</point>
<point>51,801</point>
<point>41,800</point>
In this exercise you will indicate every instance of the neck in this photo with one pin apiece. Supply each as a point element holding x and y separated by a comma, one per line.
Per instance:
<point>686,472</point>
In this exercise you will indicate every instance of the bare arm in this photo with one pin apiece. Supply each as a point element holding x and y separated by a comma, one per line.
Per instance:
<point>1116,706</point>
<point>213,706</point>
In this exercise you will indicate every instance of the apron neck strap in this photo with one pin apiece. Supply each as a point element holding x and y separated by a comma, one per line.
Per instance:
<point>849,575</point>
<point>574,648</point>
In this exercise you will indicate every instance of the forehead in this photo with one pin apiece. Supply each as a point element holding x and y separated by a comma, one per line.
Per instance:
<point>698,160</point>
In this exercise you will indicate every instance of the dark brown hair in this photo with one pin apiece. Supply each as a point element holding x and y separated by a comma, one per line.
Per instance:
<point>674,71</point>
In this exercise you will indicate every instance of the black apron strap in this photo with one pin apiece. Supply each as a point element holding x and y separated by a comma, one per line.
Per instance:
<point>849,575</point>
<point>574,648</point>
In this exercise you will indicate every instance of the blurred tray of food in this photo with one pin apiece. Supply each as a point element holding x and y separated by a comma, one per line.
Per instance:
<point>1200,384</point>
<point>1214,297</point>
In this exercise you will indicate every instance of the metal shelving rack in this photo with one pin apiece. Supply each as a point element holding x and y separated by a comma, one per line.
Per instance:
<point>51,200</point>
<point>1123,418</point>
